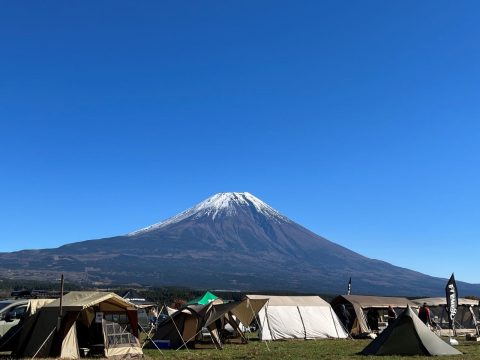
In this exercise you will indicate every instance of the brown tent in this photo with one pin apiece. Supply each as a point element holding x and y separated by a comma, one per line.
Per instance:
<point>183,327</point>
<point>357,307</point>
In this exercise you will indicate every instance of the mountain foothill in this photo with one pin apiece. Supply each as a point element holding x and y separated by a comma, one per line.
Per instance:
<point>228,241</point>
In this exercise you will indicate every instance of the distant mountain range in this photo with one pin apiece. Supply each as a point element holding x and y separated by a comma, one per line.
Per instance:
<point>229,241</point>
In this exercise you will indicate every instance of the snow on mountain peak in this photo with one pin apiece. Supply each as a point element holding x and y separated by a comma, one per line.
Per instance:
<point>226,203</point>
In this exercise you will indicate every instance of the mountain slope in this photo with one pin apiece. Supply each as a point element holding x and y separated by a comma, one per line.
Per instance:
<point>230,240</point>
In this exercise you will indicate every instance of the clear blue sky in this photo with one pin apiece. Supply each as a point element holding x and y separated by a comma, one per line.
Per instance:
<point>358,119</point>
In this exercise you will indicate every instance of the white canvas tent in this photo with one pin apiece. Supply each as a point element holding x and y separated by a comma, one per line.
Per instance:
<point>290,317</point>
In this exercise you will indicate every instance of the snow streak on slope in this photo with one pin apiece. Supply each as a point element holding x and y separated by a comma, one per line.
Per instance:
<point>225,204</point>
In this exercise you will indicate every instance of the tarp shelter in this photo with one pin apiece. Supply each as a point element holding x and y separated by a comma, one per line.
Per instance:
<point>183,328</point>
<point>357,307</point>
<point>205,299</point>
<point>94,322</point>
<point>467,316</point>
<point>408,335</point>
<point>247,311</point>
<point>291,317</point>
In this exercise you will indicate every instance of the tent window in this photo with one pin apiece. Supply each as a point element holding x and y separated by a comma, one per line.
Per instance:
<point>117,334</point>
<point>121,319</point>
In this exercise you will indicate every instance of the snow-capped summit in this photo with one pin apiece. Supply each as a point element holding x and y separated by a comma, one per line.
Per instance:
<point>225,204</point>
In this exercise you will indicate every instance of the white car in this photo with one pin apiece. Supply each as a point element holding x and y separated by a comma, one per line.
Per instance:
<point>11,312</point>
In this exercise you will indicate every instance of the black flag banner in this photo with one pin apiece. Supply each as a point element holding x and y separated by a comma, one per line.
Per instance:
<point>452,301</point>
<point>349,287</point>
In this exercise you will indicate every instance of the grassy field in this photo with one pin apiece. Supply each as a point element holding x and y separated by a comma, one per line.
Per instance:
<point>320,349</point>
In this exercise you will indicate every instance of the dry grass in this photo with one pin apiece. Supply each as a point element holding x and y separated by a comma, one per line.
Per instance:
<point>320,349</point>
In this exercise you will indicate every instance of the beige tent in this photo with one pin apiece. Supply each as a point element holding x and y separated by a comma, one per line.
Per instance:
<point>357,306</point>
<point>290,317</point>
<point>95,322</point>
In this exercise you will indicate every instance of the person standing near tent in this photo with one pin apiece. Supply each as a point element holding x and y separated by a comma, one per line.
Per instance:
<point>345,317</point>
<point>373,317</point>
<point>424,314</point>
<point>153,316</point>
<point>392,315</point>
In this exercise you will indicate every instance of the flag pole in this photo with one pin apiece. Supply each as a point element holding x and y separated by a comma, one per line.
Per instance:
<point>451,294</point>
<point>60,312</point>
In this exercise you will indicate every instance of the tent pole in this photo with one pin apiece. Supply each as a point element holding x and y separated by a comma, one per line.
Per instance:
<point>151,340</point>
<point>160,311</point>
<point>193,337</point>
<point>148,334</point>
<point>211,338</point>
<point>178,331</point>
<point>43,344</point>
<point>60,312</point>
<point>303,324</point>
<point>260,323</point>
<point>255,316</point>
<point>475,321</point>
<point>333,318</point>
<point>229,319</point>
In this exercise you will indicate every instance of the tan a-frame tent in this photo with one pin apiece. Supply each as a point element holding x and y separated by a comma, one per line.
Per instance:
<point>408,335</point>
<point>94,322</point>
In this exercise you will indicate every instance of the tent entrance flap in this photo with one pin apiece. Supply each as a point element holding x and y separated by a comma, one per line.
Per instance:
<point>118,340</point>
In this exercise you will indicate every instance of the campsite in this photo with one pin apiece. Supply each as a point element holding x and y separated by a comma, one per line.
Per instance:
<point>93,324</point>
<point>261,179</point>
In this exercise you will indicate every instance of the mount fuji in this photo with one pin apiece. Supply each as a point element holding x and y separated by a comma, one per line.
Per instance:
<point>230,241</point>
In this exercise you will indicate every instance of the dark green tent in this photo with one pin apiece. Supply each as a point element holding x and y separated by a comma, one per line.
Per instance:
<point>408,335</point>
